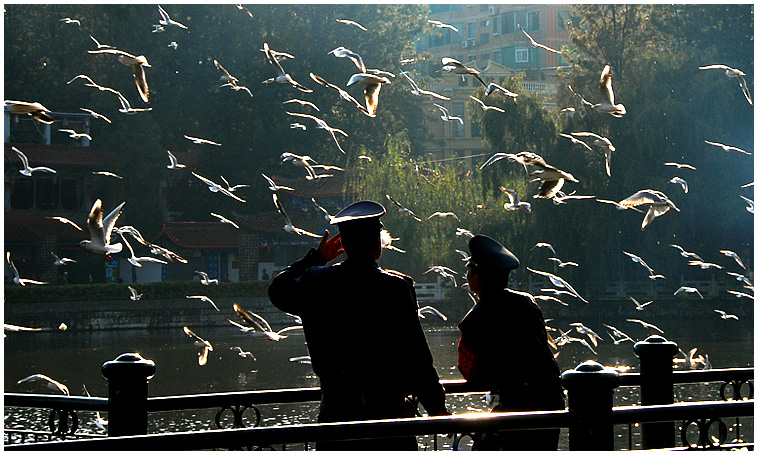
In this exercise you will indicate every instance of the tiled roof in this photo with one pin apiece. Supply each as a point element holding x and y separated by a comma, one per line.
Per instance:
<point>196,234</point>
<point>21,226</point>
<point>57,155</point>
<point>335,186</point>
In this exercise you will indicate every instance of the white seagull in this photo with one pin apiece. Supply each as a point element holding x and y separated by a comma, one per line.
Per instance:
<point>273,186</point>
<point>135,296</point>
<point>402,209</point>
<point>324,126</point>
<point>456,67</point>
<point>64,221</point>
<point>202,357</point>
<point>68,20</point>
<point>50,383</point>
<point>495,88</point>
<point>166,19</point>
<point>560,282</point>
<point>607,103</point>
<point>302,103</point>
<point>225,220</point>
<point>446,115</point>
<point>342,52</point>
<point>373,84</point>
<point>16,277</point>
<point>431,310</point>
<point>205,280</point>
<point>603,143</point>
<point>100,46</point>
<point>486,107</point>
<point>344,95</point>
<point>727,148</point>
<point>750,206</point>
<point>639,261</point>
<point>35,110</point>
<point>440,24</point>
<point>95,114</point>
<point>544,245</point>
<point>100,230</point>
<point>733,255</point>
<point>173,163</point>
<point>563,264</point>
<point>656,202</point>
<point>639,306</point>
<point>197,140</point>
<point>421,92</point>
<point>726,316</point>
<point>443,215</point>
<point>732,72</point>
<point>288,226</point>
<point>203,298</point>
<point>242,353</point>
<point>647,325</point>
<point>137,261</point>
<point>136,63</point>
<point>216,188</point>
<point>27,171</point>
<point>281,76</point>
<point>689,290</point>
<point>127,108</point>
<point>513,201</point>
<point>535,43</point>
<point>680,165</point>
<point>353,23</point>
<point>61,261</point>
<point>681,182</point>
<point>74,135</point>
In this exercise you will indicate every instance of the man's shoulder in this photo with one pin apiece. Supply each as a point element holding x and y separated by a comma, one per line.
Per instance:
<point>396,274</point>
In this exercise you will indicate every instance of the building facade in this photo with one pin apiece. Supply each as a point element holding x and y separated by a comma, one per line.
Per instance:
<point>489,39</point>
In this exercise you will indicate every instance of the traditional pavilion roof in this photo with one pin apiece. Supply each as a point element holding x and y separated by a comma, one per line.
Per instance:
<point>200,234</point>
<point>57,155</point>
<point>22,226</point>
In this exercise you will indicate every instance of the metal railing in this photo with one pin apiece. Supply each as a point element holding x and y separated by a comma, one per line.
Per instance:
<point>590,416</point>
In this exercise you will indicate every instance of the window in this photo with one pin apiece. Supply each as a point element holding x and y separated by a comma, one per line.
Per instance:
<point>508,26</point>
<point>476,128</point>
<point>46,193</point>
<point>497,25</point>
<point>484,58</point>
<point>484,38</point>
<point>458,111</point>
<point>70,194</point>
<point>497,56</point>
<point>533,20</point>
<point>522,55</point>
<point>23,194</point>
<point>520,18</point>
<point>484,23</point>
<point>471,30</point>
<point>483,8</point>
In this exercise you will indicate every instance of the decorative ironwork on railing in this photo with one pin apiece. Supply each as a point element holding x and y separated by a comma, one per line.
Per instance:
<point>590,417</point>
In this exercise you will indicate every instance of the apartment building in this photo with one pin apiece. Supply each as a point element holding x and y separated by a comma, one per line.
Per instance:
<point>489,39</point>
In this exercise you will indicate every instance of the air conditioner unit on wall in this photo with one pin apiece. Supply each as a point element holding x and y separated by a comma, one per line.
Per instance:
<point>465,44</point>
<point>494,10</point>
<point>471,43</point>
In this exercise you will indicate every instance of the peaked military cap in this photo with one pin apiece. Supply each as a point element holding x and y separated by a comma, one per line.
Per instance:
<point>488,252</point>
<point>360,210</point>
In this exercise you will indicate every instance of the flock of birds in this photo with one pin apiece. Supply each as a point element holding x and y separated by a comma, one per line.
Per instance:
<point>103,230</point>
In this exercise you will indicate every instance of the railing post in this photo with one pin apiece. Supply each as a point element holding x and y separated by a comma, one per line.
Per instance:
<point>656,356</point>
<point>590,400</point>
<point>127,377</point>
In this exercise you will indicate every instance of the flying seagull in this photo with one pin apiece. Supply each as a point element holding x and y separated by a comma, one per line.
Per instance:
<point>656,202</point>
<point>35,110</point>
<point>216,188</point>
<point>273,186</point>
<point>486,107</point>
<point>50,383</point>
<point>225,220</point>
<point>61,261</point>
<point>733,255</point>
<point>27,171</point>
<point>560,282</point>
<point>456,67</point>
<point>420,92</point>
<point>732,72</point>
<point>513,201</point>
<point>342,93</point>
<point>135,296</point>
<point>202,357</point>
<point>535,43</point>
<point>16,277</point>
<point>203,298</point>
<point>100,230</point>
<point>281,76</point>
<point>166,19</point>
<point>173,163</point>
<point>321,124</point>
<point>373,85</point>
<point>607,103</point>
<point>353,23</point>
<point>728,148</point>
<point>603,143</point>
<point>198,140</point>
<point>402,209</point>
<point>95,114</point>
<point>289,227</point>
<point>441,24</point>
<point>446,115</point>
<point>136,63</point>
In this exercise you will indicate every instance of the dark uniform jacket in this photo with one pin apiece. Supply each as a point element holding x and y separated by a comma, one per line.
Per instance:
<point>366,343</point>
<point>504,349</point>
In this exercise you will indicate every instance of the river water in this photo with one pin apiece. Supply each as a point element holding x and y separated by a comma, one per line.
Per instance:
<point>75,359</point>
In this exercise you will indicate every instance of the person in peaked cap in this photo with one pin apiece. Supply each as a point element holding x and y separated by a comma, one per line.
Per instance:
<point>504,348</point>
<point>362,329</point>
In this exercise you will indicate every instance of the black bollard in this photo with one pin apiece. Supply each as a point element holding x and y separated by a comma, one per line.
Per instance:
<point>127,377</point>
<point>656,356</point>
<point>590,400</point>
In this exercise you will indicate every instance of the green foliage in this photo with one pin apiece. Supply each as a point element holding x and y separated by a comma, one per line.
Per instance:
<point>159,290</point>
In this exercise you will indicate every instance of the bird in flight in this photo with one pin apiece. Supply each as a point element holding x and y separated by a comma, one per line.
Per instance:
<point>353,23</point>
<point>733,255</point>
<point>27,170</point>
<point>135,296</point>
<point>656,202</point>
<point>216,188</point>
<point>136,63</point>
<point>420,92</point>
<point>50,383</point>
<point>726,316</point>
<point>35,110</point>
<point>203,298</point>
<point>202,357</point>
<point>402,209</point>
<point>727,148</point>
<point>560,282</point>
<point>440,24</point>
<point>452,65</point>
<point>16,277</point>
<point>513,201</point>
<point>281,76</point>
<point>100,230</point>
<point>535,44</point>
<point>197,140</point>
<point>732,72</point>
<point>446,115</point>
<point>166,19</point>
<point>288,226</point>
